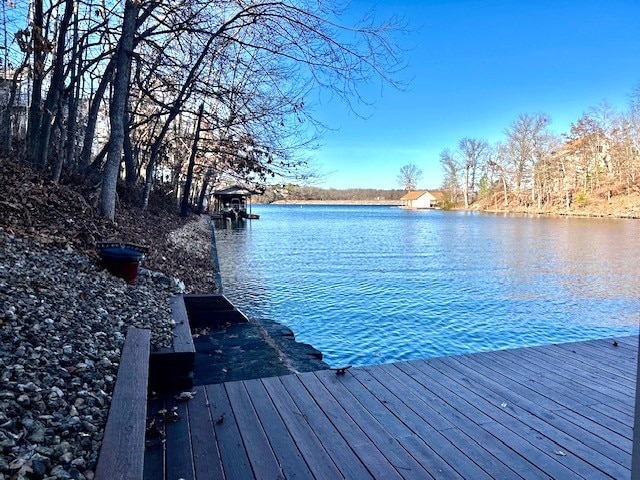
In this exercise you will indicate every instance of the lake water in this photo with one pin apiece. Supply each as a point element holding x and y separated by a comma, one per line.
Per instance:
<point>369,285</point>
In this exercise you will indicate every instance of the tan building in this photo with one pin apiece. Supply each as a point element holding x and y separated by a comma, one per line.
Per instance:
<point>419,199</point>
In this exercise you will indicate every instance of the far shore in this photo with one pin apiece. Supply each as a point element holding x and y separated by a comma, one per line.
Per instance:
<point>391,203</point>
<point>631,213</point>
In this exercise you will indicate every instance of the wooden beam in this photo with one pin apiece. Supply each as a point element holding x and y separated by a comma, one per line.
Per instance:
<point>122,452</point>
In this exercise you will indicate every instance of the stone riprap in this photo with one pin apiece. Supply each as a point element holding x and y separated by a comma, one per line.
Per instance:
<point>62,326</point>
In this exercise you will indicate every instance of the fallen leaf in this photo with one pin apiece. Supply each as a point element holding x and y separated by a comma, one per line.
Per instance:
<point>185,396</point>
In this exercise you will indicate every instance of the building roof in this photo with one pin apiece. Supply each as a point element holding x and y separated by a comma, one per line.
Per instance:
<point>417,194</point>
<point>234,190</point>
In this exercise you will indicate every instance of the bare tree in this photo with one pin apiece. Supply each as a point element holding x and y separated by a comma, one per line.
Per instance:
<point>499,164</point>
<point>254,64</point>
<point>523,142</point>
<point>409,177</point>
<point>474,153</point>
<point>451,167</point>
<point>184,206</point>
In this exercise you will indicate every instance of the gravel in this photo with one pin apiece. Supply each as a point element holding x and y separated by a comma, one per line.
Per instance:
<point>62,325</point>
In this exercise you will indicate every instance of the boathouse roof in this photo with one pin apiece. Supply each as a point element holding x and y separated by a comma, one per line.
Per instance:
<point>234,190</point>
<point>417,194</point>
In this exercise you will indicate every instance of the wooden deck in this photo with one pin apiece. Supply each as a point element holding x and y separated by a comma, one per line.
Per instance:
<point>562,411</point>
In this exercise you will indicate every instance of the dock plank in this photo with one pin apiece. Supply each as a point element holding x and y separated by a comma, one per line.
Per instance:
<point>154,460</point>
<point>332,439</point>
<point>206,456</point>
<point>375,431</point>
<point>256,443</point>
<point>525,420</point>
<point>413,408</point>
<point>435,379</point>
<point>370,455</point>
<point>569,370</point>
<point>235,462</point>
<point>316,456</point>
<point>180,462</point>
<point>287,452</point>
<point>487,449</point>
<point>508,414</point>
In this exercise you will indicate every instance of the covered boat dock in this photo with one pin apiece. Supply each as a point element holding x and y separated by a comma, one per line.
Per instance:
<point>233,202</point>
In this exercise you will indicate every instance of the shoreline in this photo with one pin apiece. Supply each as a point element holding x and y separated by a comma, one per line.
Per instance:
<point>576,214</point>
<point>517,211</point>
<point>390,203</point>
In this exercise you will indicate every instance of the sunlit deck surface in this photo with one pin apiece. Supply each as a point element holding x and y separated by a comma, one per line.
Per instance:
<point>561,411</point>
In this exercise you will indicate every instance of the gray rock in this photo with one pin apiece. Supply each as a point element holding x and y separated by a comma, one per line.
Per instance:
<point>60,473</point>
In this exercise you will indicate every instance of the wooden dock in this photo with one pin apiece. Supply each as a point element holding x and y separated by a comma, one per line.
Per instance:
<point>560,411</point>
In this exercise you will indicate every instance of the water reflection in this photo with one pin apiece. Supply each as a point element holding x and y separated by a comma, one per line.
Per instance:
<point>377,284</point>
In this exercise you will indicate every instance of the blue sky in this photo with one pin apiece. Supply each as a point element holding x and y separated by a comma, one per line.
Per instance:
<point>475,65</point>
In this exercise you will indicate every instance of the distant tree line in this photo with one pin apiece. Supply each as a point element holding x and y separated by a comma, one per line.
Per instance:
<point>292,192</point>
<point>165,99</point>
<point>533,166</point>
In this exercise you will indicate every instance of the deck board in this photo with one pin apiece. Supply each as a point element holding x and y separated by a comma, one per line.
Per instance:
<point>206,456</point>
<point>365,448</point>
<point>492,406</point>
<point>344,457</point>
<point>256,443</point>
<point>180,461</point>
<point>375,430</point>
<point>233,455</point>
<point>570,371</point>
<point>527,415</point>
<point>283,444</point>
<point>557,411</point>
<point>311,447</point>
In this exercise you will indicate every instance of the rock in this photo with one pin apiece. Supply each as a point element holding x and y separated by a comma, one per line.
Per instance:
<point>60,473</point>
<point>37,435</point>
<point>38,467</point>
<point>66,457</point>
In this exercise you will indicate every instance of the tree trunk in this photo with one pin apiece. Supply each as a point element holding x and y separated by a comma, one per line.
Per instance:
<point>7,133</point>
<point>173,113</point>
<point>118,109</point>
<point>53,95</point>
<point>184,207</point>
<point>92,116</point>
<point>466,188</point>
<point>57,170</point>
<point>74,95</point>
<point>203,193</point>
<point>39,56</point>
<point>94,108</point>
<point>504,186</point>
<point>129,163</point>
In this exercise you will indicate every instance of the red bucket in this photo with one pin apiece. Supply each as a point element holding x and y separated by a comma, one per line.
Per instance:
<point>122,262</point>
